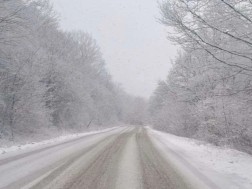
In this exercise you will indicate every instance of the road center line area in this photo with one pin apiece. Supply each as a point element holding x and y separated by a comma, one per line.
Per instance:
<point>122,158</point>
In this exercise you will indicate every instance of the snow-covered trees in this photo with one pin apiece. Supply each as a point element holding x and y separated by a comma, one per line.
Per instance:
<point>207,94</point>
<point>220,27</point>
<point>50,79</point>
<point>21,70</point>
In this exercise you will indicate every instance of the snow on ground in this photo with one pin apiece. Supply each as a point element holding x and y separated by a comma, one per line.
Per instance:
<point>129,176</point>
<point>227,168</point>
<point>63,138</point>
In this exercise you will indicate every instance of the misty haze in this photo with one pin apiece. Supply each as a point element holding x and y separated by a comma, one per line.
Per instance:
<point>125,94</point>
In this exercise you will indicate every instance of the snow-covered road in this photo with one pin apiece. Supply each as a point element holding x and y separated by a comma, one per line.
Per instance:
<point>120,158</point>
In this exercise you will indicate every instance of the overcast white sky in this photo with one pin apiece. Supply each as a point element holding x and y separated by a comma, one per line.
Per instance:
<point>133,43</point>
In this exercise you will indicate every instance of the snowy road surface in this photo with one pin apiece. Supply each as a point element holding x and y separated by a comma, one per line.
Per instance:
<point>121,158</point>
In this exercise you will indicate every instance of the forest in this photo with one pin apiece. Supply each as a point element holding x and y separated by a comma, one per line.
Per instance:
<point>208,92</point>
<point>53,81</point>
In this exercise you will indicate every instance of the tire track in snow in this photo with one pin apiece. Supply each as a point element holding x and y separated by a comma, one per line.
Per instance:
<point>92,169</point>
<point>70,142</point>
<point>62,164</point>
<point>156,172</point>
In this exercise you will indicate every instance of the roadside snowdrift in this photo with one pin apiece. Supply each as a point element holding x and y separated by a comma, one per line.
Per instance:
<point>227,168</point>
<point>45,143</point>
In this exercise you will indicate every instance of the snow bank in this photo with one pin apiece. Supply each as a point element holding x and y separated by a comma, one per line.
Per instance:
<point>63,138</point>
<point>227,168</point>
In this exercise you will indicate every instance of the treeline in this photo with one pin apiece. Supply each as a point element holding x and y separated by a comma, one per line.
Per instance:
<point>208,92</point>
<point>50,79</point>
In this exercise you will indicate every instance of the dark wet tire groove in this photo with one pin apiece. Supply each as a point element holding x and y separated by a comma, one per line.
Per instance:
<point>156,172</point>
